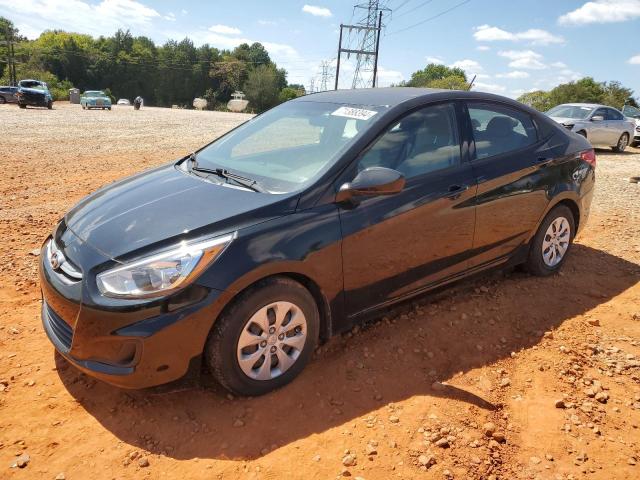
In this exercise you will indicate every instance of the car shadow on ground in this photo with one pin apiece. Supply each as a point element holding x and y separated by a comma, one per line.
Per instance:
<point>405,355</point>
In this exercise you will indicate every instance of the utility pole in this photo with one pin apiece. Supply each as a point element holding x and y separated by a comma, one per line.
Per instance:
<point>368,31</point>
<point>11,64</point>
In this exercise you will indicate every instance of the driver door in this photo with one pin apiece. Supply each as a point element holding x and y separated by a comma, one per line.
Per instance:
<point>396,245</point>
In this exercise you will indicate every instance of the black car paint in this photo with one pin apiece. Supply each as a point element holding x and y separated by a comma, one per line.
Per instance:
<point>328,247</point>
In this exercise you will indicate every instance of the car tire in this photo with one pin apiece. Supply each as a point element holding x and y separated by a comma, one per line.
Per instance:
<point>50,105</point>
<point>2,100</point>
<point>289,316</point>
<point>623,141</point>
<point>583,133</point>
<point>22,106</point>
<point>550,246</point>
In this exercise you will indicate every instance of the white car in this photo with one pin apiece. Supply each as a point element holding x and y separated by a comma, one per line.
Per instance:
<point>603,126</point>
<point>633,114</point>
<point>123,101</point>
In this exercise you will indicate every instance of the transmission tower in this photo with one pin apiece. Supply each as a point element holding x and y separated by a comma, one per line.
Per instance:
<point>367,38</point>
<point>325,75</point>
<point>366,62</point>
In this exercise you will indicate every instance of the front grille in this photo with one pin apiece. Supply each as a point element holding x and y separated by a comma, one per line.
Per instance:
<point>60,328</point>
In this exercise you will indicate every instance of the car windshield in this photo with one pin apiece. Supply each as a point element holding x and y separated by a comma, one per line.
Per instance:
<point>94,94</point>
<point>287,147</point>
<point>570,111</point>
<point>34,85</point>
<point>629,111</point>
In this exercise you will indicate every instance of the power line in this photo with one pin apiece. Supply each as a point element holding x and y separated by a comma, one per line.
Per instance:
<point>414,8</point>
<point>401,5</point>
<point>430,18</point>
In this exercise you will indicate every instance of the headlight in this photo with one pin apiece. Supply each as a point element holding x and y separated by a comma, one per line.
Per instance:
<point>159,274</point>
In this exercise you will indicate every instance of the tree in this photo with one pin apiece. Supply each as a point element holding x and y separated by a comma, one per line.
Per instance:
<point>451,82</point>
<point>289,93</point>
<point>434,72</point>
<point>615,95</point>
<point>538,99</point>
<point>261,88</point>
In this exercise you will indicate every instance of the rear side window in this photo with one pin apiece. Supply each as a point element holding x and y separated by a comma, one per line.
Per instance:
<point>498,129</point>
<point>422,142</point>
<point>613,115</point>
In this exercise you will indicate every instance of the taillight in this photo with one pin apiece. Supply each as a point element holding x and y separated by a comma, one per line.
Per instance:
<point>589,156</point>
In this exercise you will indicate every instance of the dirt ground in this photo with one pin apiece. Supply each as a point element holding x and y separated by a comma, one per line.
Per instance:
<point>503,376</point>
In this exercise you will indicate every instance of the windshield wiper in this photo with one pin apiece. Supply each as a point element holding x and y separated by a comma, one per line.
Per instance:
<point>227,175</point>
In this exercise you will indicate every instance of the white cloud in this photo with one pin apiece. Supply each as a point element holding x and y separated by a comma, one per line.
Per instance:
<point>436,60</point>
<point>467,65</point>
<point>489,87</point>
<point>317,11</point>
<point>524,59</point>
<point>535,36</point>
<point>170,17</point>
<point>267,23</point>
<point>602,11</point>
<point>635,60</point>
<point>224,30</point>
<point>514,74</point>
<point>105,17</point>
<point>184,12</point>
<point>483,48</point>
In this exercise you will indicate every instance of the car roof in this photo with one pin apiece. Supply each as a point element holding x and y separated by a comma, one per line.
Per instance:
<point>392,96</point>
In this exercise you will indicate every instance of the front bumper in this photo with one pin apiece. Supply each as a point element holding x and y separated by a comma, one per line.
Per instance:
<point>125,343</point>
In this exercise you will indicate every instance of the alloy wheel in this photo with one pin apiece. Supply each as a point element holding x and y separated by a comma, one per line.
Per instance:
<point>272,340</point>
<point>623,142</point>
<point>556,241</point>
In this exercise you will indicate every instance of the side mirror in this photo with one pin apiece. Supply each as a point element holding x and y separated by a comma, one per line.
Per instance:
<point>372,181</point>
<point>597,118</point>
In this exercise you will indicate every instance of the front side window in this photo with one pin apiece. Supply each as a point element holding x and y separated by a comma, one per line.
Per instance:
<point>613,115</point>
<point>287,147</point>
<point>422,142</point>
<point>498,129</point>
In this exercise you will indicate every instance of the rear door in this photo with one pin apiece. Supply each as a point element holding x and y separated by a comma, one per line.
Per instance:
<point>598,131</point>
<point>396,245</point>
<point>615,126</point>
<point>513,168</point>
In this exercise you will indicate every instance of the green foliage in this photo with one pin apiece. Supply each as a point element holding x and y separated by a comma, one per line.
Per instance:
<point>173,73</point>
<point>438,76</point>
<point>59,89</point>
<point>538,99</point>
<point>289,93</point>
<point>262,88</point>
<point>585,90</point>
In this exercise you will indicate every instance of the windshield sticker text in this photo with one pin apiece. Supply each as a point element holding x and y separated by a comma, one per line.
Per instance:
<point>357,113</point>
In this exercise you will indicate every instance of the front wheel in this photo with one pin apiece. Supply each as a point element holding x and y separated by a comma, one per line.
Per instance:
<point>623,141</point>
<point>552,242</point>
<point>265,338</point>
<point>23,106</point>
<point>50,105</point>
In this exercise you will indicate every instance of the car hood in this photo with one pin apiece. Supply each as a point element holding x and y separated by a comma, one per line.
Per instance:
<point>164,206</point>
<point>33,91</point>
<point>566,121</point>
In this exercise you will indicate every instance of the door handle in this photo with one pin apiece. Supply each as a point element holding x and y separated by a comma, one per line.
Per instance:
<point>456,190</point>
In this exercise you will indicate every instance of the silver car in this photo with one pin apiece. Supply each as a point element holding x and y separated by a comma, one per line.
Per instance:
<point>603,126</point>
<point>633,113</point>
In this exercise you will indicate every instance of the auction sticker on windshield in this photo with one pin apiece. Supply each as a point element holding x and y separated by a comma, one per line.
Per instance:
<point>351,112</point>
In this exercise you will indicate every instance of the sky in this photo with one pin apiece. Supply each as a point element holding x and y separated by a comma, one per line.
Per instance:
<point>513,46</point>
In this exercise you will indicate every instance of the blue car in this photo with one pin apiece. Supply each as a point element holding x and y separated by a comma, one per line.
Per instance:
<point>95,99</point>
<point>34,93</point>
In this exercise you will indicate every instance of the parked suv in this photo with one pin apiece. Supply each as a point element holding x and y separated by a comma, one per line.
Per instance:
<point>8,94</point>
<point>603,126</point>
<point>300,223</point>
<point>34,93</point>
<point>633,114</point>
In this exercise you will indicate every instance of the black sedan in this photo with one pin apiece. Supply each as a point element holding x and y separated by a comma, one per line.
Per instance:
<point>246,254</point>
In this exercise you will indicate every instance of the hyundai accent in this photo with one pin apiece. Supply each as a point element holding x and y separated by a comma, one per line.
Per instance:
<point>241,257</point>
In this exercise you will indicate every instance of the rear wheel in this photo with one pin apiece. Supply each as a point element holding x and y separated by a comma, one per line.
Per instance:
<point>50,105</point>
<point>265,338</point>
<point>2,100</point>
<point>22,105</point>
<point>552,242</point>
<point>623,141</point>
